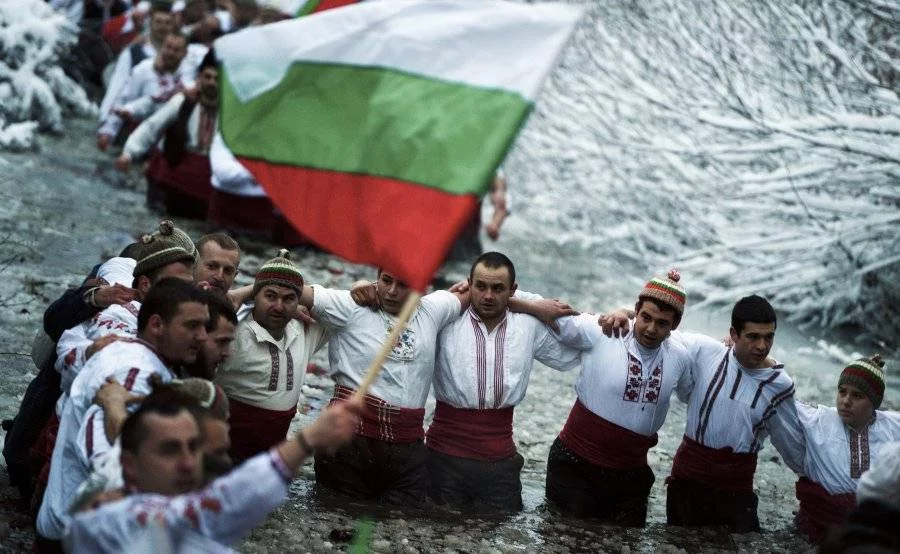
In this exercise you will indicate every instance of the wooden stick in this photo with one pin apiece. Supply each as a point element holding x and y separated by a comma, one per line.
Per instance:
<point>375,367</point>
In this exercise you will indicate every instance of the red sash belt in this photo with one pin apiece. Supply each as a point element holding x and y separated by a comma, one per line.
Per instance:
<point>190,177</point>
<point>385,422</point>
<point>602,442</point>
<point>254,430</point>
<point>819,509</point>
<point>471,433</point>
<point>240,212</point>
<point>719,468</point>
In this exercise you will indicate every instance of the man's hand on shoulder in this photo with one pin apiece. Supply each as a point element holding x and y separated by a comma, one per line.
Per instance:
<point>365,294</point>
<point>106,296</point>
<point>616,324</point>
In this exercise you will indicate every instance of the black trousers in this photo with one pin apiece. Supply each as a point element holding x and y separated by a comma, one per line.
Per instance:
<point>22,432</point>
<point>693,504</point>
<point>475,485</point>
<point>584,489</point>
<point>375,470</point>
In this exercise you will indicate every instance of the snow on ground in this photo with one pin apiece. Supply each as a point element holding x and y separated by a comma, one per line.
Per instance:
<point>35,93</point>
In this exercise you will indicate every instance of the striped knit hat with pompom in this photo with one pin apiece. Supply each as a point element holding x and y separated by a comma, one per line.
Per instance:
<point>279,271</point>
<point>866,374</point>
<point>667,291</point>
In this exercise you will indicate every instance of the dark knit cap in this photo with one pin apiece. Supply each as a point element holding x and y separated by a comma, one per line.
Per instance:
<point>866,374</point>
<point>667,291</point>
<point>168,245</point>
<point>279,271</point>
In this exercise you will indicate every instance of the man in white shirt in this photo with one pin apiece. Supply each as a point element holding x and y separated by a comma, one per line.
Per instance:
<point>151,83</point>
<point>386,461</point>
<point>264,375</point>
<point>839,445</point>
<point>162,465</point>
<point>162,22</point>
<point>483,366</point>
<point>178,177</point>
<point>597,466</point>
<point>171,330</point>
<point>739,398</point>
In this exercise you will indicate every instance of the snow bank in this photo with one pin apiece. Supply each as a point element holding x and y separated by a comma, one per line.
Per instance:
<point>754,145</point>
<point>35,93</point>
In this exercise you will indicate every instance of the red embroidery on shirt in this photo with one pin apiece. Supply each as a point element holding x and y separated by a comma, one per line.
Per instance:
<point>131,377</point>
<point>211,504</point>
<point>636,390</point>
<point>89,437</point>
<point>70,357</point>
<point>290,369</point>
<point>633,380</point>
<point>190,512</point>
<point>273,376</point>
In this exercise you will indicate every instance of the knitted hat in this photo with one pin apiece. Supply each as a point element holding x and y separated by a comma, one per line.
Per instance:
<point>279,271</point>
<point>162,248</point>
<point>667,291</point>
<point>866,374</point>
<point>209,395</point>
<point>166,226</point>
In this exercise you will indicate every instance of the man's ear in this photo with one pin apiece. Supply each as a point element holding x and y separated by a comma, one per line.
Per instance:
<point>733,334</point>
<point>513,288</point>
<point>155,325</point>
<point>143,284</point>
<point>129,471</point>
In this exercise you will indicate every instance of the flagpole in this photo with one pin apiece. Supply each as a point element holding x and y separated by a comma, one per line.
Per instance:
<point>402,319</point>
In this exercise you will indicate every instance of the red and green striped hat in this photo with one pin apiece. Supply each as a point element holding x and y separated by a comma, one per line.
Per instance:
<point>667,291</point>
<point>279,271</point>
<point>866,374</point>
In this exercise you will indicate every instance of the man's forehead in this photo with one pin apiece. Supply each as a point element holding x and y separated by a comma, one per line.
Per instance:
<point>485,273</point>
<point>278,289</point>
<point>758,328</point>
<point>162,428</point>
<point>192,309</point>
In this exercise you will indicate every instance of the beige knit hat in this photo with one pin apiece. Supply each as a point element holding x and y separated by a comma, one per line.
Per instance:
<point>163,248</point>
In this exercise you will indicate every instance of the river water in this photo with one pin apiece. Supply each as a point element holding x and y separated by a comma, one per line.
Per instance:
<point>574,234</point>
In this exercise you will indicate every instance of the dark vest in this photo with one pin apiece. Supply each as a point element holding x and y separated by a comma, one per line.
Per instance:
<point>137,54</point>
<point>175,145</point>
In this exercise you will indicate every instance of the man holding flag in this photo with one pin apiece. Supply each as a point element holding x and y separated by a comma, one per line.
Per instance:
<point>375,129</point>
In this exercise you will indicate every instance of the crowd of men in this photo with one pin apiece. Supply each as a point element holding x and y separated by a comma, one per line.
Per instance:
<point>171,391</point>
<point>162,407</point>
<point>160,111</point>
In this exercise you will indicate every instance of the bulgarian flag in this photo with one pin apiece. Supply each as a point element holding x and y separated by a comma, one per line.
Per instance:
<point>377,127</point>
<point>315,6</point>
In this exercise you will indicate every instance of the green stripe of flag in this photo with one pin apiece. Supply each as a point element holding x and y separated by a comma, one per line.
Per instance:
<point>375,121</point>
<point>308,7</point>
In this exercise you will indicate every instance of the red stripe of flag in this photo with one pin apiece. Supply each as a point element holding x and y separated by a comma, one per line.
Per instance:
<point>405,228</point>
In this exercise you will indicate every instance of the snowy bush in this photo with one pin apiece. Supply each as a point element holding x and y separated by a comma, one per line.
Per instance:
<point>756,145</point>
<point>35,93</point>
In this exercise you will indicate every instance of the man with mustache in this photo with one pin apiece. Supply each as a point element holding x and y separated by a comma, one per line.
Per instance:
<point>265,372</point>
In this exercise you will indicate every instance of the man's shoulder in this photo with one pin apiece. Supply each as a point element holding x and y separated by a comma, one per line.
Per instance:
<point>144,67</point>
